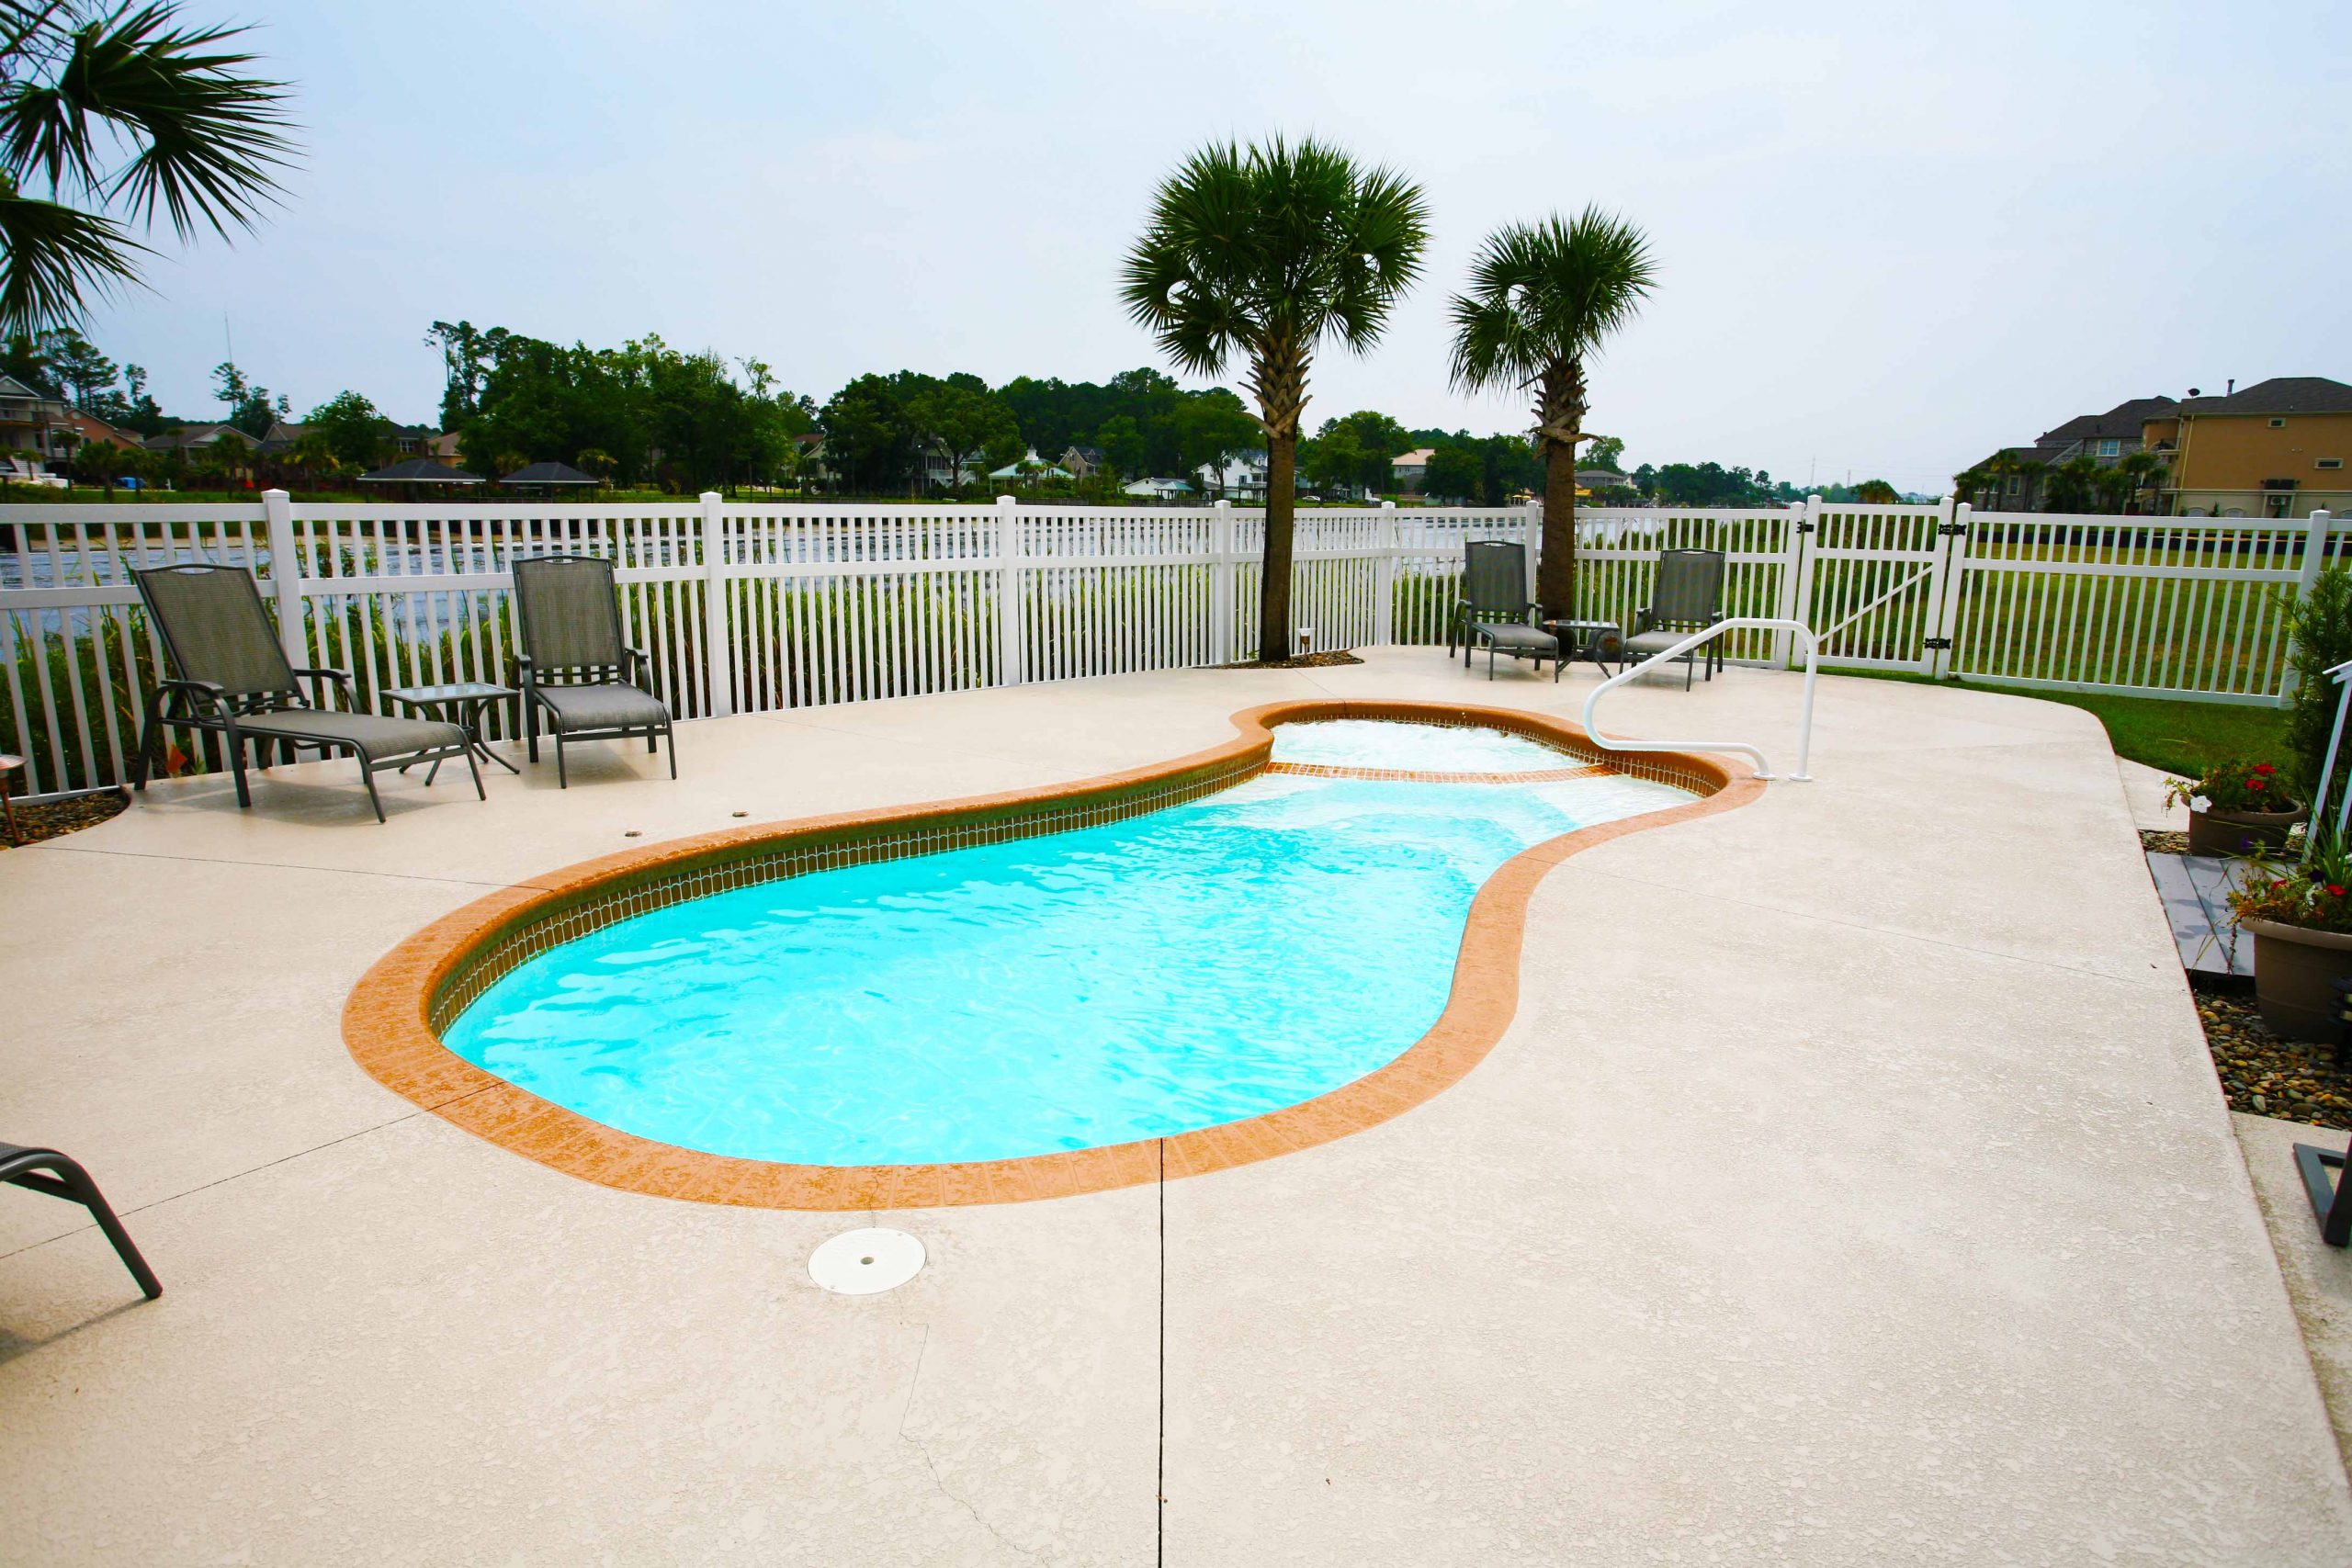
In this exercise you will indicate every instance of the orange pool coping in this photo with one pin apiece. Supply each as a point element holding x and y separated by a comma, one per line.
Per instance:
<point>388,1020</point>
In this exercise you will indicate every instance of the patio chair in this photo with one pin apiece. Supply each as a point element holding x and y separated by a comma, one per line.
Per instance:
<point>573,666</point>
<point>23,1168</point>
<point>1687,597</point>
<point>1494,609</point>
<point>235,680</point>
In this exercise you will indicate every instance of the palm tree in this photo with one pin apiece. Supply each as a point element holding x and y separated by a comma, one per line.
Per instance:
<point>1543,298</point>
<point>82,82</point>
<point>1265,252</point>
<point>2140,471</point>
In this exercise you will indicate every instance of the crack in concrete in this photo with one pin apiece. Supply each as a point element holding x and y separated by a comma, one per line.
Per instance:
<point>939,1482</point>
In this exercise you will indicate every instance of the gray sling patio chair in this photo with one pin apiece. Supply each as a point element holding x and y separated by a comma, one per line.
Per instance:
<point>573,666</point>
<point>235,680</point>
<point>46,1170</point>
<point>1494,610</point>
<point>1687,597</point>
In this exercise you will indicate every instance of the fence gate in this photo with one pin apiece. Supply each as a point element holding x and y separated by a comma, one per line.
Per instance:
<point>1871,584</point>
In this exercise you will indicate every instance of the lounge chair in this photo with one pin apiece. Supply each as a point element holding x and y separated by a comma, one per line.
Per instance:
<point>1687,597</point>
<point>1494,609</point>
<point>573,666</point>
<point>23,1168</point>
<point>236,681</point>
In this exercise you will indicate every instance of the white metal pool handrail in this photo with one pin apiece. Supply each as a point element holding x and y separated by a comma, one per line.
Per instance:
<point>2342,675</point>
<point>1763,768</point>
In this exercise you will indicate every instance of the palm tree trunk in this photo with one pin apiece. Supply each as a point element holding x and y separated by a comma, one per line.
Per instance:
<point>1555,571</point>
<point>1275,629</point>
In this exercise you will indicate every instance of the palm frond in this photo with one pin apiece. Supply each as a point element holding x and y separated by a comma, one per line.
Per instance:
<point>1544,294</point>
<point>53,257</point>
<point>1264,251</point>
<point>215,137</point>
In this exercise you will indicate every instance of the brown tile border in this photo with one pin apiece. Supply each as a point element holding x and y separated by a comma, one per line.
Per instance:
<point>390,1021</point>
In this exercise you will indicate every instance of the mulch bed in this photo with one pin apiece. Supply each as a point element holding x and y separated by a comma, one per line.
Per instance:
<point>1307,661</point>
<point>2157,840</point>
<point>55,818</point>
<point>2290,1079</point>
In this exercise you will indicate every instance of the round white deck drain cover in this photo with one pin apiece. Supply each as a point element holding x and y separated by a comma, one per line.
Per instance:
<point>859,1263</point>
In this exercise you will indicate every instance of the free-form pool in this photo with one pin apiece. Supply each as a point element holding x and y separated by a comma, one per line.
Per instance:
<point>1181,969</point>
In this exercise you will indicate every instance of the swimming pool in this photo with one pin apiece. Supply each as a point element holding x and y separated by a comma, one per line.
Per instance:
<point>1178,945</point>
<point>1182,969</point>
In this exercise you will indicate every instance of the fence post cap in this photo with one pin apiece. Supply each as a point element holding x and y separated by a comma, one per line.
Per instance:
<point>709,495</point>
<point>274,493</point>
<point>1006,501</point>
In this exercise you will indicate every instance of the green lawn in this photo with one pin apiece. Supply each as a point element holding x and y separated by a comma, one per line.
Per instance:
<point>2178,736</point>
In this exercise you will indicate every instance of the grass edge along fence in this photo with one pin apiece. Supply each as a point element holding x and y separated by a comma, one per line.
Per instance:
<point>760,606</point>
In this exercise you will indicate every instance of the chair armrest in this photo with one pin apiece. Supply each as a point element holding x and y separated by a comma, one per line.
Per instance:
<point>1641,621</point>
<point>342,680</point>
<point>526,672</point>
<point>209,694</point>
<point>644,666</point>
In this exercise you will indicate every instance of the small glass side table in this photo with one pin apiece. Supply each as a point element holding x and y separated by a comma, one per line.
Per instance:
<point>465,701</point>
<point>1592,641</point>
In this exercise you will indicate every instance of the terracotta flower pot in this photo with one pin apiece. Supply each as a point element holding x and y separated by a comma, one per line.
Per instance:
<point>2241,832</point>
<point>2294,974</point>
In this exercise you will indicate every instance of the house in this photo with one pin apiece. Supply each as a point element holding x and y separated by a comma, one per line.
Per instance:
<point>811,445</point>
<point>190,438</point>
<point>2277,449</point>
<point>1084,462</point>
<point>1408,468</point>
<point>1593,481</point>
<point>2020,476</point>
<point>1159,490</point>
<point>89,430</point>
<point>1031,467</point>
<point>408,440</point>
<point>32,419</point>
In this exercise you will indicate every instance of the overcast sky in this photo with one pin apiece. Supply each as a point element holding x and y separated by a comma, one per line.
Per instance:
<point>1887,244</point>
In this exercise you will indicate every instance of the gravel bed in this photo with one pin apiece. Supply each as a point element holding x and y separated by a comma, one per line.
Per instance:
<point>55,818</point>
<point>2270,1076</point>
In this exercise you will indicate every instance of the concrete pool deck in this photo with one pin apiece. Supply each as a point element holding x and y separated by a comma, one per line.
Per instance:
<point>1851,1187</point>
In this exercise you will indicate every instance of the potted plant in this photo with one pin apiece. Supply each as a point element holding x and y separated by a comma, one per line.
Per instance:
<point>2301,915</point>
<point>2240,807</point>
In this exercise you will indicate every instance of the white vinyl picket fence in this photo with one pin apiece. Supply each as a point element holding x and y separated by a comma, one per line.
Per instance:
<point>755,607</point>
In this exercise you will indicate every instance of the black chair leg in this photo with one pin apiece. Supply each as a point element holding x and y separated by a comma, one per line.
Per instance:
<point>151,737</point>
<point>70,1182</point>
<point>474,768</point>
<point>561,781</point>
<point>367,777</point>
<point>669,744</point>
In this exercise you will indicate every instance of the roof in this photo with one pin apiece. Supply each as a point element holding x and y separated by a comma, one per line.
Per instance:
<point>189,435</point>
<point>1417,458</point>
<point>2281,394</point>
<point>10,386</point>
<point>420,470</point>
<point>2123,419</point>
<point>549,474</point>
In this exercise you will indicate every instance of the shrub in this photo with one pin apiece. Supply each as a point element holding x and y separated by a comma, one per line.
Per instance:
<point>2322,625</point>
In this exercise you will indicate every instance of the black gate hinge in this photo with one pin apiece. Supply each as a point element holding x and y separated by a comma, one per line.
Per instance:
<point>1951,528</point>
<point>1805,528</point>
<point>1939,642</point>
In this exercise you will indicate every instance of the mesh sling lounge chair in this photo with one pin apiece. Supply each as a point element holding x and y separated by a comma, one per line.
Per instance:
<point>24,1168</point>
<point>1494,608</point>
<point>569,624</point>
<point>1687,597</point>
<point>235,680</point>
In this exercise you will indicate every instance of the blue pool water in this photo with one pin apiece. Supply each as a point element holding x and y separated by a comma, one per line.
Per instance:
<point>1193,966</point>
